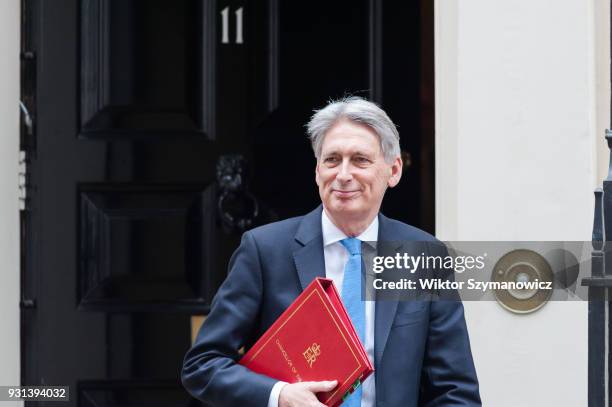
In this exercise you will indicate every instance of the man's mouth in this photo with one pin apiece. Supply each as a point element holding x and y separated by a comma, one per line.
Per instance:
<point>345,194</point>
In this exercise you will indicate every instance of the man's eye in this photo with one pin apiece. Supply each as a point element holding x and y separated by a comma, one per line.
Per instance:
<point>362,160</point>
<point>331,160</point>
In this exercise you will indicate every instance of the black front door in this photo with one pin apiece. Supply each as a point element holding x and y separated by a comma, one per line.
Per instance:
<point>162,130</point>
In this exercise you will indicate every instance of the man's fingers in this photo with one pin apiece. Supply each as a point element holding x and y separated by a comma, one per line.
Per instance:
<point>304,393</point>
<point>316,387</point>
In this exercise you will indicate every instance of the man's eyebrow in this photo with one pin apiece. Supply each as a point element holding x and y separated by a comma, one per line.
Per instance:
<point>356,152</point>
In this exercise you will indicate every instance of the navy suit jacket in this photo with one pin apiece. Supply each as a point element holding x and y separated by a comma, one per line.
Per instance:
<point>422,350</point>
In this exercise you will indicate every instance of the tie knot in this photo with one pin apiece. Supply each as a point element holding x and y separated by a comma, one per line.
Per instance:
<point>352,245</point>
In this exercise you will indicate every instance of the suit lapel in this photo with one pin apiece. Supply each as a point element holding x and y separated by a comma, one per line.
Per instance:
<point>310,263</point>
<point>385,308</point>
<point>308,257</point>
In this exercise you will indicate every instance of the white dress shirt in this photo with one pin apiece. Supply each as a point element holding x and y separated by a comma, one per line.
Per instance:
<point>336,257</point>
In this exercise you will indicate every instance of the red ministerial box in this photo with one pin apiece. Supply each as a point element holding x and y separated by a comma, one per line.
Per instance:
<point>313,340</point>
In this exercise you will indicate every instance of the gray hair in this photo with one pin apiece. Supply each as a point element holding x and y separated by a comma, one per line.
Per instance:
<point>358,110</point>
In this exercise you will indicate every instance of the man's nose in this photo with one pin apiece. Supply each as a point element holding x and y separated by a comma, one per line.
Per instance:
<point>344,173</point>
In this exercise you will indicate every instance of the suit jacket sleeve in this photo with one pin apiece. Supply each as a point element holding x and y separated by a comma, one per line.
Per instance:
<point>210,369</point>
<point>448,375</point>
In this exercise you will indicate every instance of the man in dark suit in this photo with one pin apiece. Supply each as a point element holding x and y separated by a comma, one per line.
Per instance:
<point>420,350</point>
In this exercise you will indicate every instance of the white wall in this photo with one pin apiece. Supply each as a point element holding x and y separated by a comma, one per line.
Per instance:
<point>601,52</point>
<point>518,153</point>
<point>9,204</point>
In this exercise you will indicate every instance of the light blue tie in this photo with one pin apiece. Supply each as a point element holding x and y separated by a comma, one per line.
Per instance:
<point>351,297</point>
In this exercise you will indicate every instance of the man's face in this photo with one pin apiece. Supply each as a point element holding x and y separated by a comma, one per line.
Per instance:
<point>351,172</point>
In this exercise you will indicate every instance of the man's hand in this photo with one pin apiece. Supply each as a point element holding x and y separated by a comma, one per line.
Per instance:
<point>303,394</point>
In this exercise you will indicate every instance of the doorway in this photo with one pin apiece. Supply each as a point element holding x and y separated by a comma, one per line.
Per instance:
<point>162,130</point>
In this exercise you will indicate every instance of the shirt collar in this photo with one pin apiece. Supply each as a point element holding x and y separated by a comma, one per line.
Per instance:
<point>331,233</point>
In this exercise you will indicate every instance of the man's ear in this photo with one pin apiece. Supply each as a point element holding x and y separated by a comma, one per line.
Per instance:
<point>396,172</point>
<point>317,180</point>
